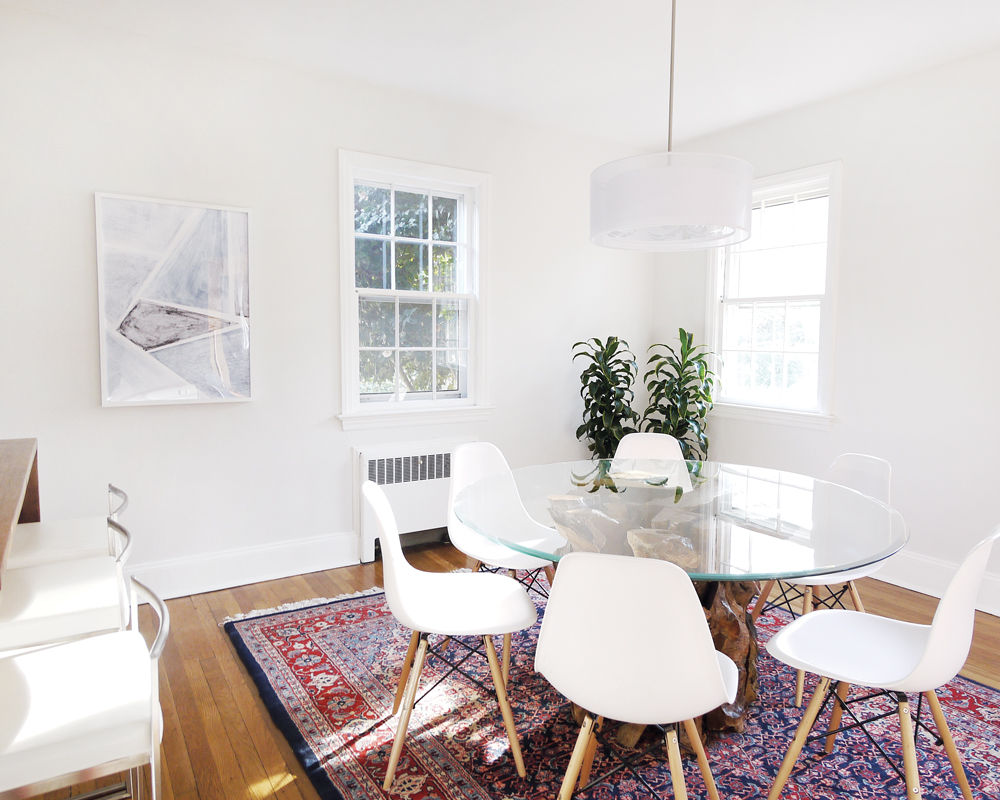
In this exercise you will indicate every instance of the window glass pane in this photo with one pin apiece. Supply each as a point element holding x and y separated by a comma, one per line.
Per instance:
<point>738,326</point>
<point>445,217</point>
<point>794,270</point>
<point>777,224</point>
<point>371,264</point>
<point>445,268</point>
<point>452,323</point>
<point>371,209</point>
<point>451,367</point>
<point>769,326</point>
<point>768,373</point>
<point>416,373</point>
<point>411,215</point>
<point>736,375</point>
<point>803,325</point>
<point>812,219</point>
<point>411,267</point>
<point>802,378</point>
<point>415,324</point>
<point>376,323</point>
<point>377,371</point>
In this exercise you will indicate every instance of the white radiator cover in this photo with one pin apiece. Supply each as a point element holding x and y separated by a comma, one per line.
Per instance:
<point>415,479</point>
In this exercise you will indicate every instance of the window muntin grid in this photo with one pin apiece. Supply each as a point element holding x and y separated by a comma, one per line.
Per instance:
<point>414,293</point>
<point>774,285</point>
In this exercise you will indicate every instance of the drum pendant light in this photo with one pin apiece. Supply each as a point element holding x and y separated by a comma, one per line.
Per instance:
<point>671,201</point>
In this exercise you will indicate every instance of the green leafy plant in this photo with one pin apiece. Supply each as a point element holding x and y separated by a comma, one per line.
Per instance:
<point>680,388</point>
<point>607,394</point>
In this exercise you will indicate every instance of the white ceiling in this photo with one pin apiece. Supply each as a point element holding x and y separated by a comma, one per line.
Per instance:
<point>598,66</point>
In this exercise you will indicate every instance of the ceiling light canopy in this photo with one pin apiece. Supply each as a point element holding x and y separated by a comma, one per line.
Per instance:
<point>671,201</point>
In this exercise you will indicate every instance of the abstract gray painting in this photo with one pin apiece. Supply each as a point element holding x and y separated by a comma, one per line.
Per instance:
<point>174,287</point>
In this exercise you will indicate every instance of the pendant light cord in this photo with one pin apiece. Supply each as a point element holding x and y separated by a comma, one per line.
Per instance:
<point>670,100</point>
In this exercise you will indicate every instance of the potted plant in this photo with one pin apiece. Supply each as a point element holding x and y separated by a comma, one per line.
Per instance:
<point>607,394</point>
<point>680,388</point>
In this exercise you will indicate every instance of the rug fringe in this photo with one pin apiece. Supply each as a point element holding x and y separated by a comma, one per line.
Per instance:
<point>314,601</point>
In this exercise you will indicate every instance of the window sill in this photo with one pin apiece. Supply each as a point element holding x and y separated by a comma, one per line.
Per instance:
<point>401,418</point>
<point>773,416</point>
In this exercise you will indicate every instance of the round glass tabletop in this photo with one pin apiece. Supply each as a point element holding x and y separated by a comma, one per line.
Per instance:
<point>717,521</point>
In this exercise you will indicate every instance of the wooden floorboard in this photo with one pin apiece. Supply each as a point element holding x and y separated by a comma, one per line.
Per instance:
<point>219,741</point>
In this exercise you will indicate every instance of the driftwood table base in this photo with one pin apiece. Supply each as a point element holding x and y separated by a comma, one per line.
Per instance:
<point>734,633</point>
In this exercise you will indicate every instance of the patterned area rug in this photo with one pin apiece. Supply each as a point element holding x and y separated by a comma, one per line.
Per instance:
<point>328,674</point>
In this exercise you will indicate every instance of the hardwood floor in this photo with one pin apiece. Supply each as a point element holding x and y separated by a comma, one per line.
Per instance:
<point>219,742</point>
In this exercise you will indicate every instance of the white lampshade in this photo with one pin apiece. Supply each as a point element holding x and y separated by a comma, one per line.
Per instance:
<point>671,201</point>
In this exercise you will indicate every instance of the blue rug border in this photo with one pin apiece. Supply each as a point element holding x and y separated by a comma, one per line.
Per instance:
<point>303,752</point>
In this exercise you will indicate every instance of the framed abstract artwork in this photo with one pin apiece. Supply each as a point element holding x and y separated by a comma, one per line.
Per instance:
<point>174,296</point>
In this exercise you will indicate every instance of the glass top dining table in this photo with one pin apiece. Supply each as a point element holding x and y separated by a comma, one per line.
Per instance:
<point>719,522</point>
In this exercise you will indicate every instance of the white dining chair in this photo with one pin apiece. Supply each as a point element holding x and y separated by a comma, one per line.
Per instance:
<point>447,604</point>
<point>649,446</point>
<point>47,542</point>
<point>652,668</point>
<point>866,474</point>
<point>78,711</point>
<point>850,649</point>
<point>472,462</point>
<point>66,599</point>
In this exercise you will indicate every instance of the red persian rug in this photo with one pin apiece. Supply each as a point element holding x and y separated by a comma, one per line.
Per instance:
<point>328,674</point>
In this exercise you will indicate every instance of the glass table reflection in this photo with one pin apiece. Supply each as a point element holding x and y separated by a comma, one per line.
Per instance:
<point>719,522</point>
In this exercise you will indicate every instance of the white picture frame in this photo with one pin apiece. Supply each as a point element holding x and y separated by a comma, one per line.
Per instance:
<point>174,301</point>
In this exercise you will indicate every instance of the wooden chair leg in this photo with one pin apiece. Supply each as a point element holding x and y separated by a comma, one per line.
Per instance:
<point>550,573</point>
<point>855,597</point>
<point>506,659</point>
<point>800,675</point>
<point>909,751</point>
<point>761,600</point>
<point>409,697</point>
<point>838,710</point>
<point>508,715</point>
<point>949,743</point>
<point>699,750</point>
<point>576,760</point>
<point>405,674</point>
<point>676,765</point>
<point>808,719</point>
<point>588,757</point>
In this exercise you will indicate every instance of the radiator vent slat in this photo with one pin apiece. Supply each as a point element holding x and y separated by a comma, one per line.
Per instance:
<point>405,469</point>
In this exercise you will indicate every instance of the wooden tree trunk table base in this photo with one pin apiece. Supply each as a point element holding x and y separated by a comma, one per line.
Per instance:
<point>734,634</point>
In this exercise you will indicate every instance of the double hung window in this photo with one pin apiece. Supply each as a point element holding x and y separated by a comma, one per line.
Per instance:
<point>412,260</point>
<point>772,301</point>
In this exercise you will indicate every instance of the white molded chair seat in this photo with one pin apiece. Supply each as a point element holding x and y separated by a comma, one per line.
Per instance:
<point>450,604</point>
<point>649,447</point>
<point>46,542</point>
<point>469,604</point>
<point>476,460</point>
<point>55,602</point>
<point>870,476</point>
<point>659,666</point>
<point>77,711</point>
<point>849,648</point>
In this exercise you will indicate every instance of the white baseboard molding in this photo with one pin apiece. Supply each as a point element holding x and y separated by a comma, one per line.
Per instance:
<point>209,572</point>
<point>929,575</point>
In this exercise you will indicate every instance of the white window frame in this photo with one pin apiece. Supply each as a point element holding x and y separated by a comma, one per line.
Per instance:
<point>820,418</point>
<point>475,186</point>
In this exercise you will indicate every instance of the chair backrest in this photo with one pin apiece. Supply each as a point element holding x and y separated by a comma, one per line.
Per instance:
<point>469,463</point>
<point>117,502</point>
<point>397,573</point>
<point>658,446</point>
<point>626,638</point>
<point>951,631</point>
<point>869,475</point>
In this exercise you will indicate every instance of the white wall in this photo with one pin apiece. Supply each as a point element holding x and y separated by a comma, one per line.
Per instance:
<point>224,494</point>
<point>917,344</point>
